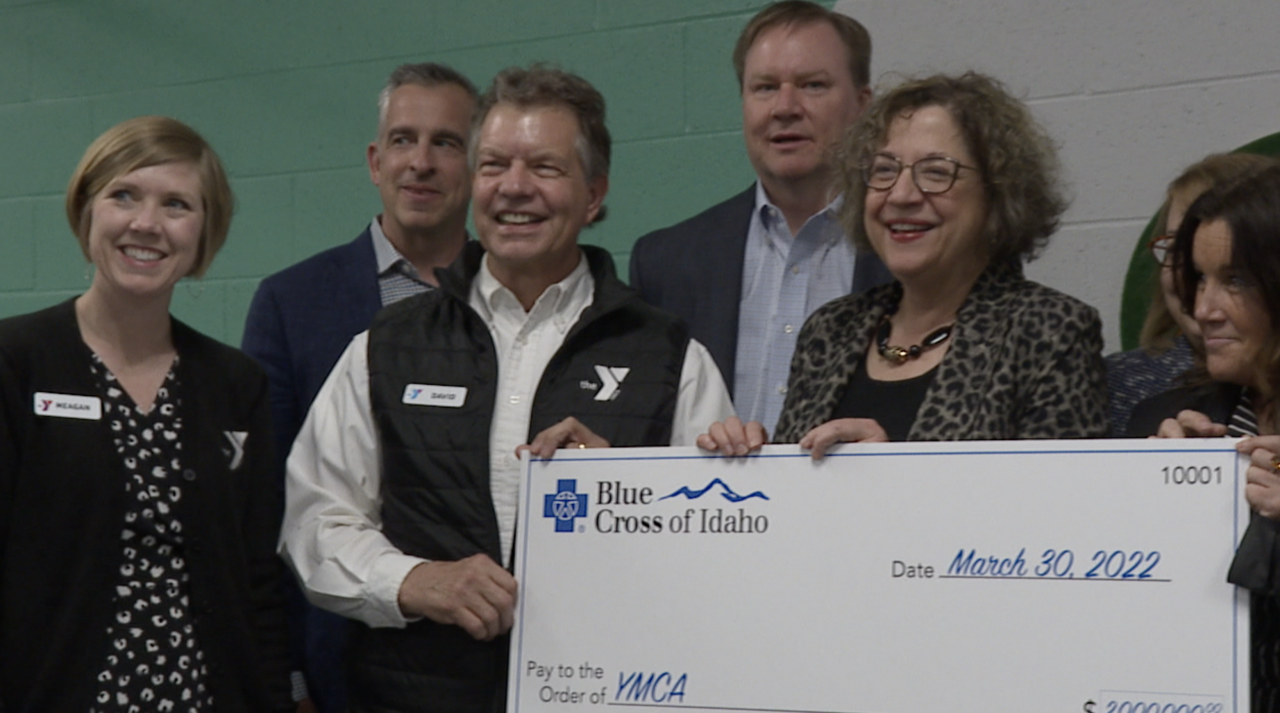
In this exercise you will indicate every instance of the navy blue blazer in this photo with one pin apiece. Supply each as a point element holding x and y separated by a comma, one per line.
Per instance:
<point>693,269</point>
<point>301,320</point>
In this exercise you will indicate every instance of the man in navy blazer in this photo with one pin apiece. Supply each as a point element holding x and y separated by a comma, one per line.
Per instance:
<point>303,317</point>
<point>747,272</point>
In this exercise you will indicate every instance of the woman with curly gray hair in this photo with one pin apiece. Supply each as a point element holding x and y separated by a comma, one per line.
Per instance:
<point>953,184</point>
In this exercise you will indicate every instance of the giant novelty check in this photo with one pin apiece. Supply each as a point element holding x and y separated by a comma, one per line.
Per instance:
<point>888,578</point>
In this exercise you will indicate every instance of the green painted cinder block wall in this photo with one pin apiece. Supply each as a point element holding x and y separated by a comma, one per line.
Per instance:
<point>285,91</point>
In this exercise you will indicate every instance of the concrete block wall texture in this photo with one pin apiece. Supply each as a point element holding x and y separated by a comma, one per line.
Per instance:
<point>1133,92</point>
<point>285,91</point>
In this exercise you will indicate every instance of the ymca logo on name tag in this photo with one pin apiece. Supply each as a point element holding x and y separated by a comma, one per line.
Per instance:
<point>85,408</point>
<point>428,395</point>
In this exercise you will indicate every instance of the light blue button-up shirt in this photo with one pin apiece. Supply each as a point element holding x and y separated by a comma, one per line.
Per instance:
<point>784,279</point>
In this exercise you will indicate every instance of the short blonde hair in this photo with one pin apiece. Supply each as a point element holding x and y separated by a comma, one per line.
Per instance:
<point>151,141</point>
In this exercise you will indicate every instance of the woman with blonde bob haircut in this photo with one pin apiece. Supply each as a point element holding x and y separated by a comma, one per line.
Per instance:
<point>953,184</point>
<point>152,141</point>
<point>137,557</point>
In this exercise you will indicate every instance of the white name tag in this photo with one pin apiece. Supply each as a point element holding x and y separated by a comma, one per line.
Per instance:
<point>428,395</point>
<point>87,408</point>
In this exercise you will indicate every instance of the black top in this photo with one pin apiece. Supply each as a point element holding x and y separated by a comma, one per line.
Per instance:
<point>63,505</point>
<point>893,404</point>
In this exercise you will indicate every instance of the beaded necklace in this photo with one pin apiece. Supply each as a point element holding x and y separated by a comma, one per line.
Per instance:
<point>900,355</point>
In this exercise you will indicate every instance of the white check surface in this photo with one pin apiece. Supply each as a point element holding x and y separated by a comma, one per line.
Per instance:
<point>884,579</point>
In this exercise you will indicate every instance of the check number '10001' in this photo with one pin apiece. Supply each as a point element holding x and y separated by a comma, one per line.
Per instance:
<point>1192,475</point>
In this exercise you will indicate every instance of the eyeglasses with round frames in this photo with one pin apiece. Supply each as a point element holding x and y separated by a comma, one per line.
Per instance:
<point>1161,247</point>
<point>936,174</point>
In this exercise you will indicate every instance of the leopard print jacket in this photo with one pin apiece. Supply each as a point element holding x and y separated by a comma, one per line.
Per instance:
<point>1024,362</point>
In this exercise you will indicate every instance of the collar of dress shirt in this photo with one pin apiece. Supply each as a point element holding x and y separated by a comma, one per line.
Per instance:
<point>773,225</point>
<point>564,300</point>
<point>385,253</point>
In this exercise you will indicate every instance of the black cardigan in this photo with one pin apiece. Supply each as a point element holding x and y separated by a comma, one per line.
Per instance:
<point>62,504</point>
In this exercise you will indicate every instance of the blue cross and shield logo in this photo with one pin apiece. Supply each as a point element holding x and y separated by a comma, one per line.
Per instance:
<point>566,505</point>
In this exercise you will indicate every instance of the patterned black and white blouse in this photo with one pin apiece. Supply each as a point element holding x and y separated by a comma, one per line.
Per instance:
<point>154,662</point>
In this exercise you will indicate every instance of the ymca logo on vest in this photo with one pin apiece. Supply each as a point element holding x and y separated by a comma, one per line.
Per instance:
<point>610,382</point>
<point>430,395</point>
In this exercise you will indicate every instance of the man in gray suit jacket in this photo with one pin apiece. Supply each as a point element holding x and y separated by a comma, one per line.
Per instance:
<point>747,272</point>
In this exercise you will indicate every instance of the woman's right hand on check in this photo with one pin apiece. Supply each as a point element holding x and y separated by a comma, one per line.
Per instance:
<point>732,437</point>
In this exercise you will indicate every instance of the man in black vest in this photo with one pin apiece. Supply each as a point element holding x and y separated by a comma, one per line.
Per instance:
<point>402,485</point>
<point>303,317</point>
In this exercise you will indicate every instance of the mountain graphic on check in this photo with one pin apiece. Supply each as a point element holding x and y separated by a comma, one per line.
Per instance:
<point>726,492</point>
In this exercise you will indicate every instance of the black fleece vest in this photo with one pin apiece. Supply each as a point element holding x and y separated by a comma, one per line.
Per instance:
<point>437,502</point>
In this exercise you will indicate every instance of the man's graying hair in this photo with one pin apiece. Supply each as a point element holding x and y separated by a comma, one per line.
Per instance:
<point>423,74</point>
<point>542,85</point>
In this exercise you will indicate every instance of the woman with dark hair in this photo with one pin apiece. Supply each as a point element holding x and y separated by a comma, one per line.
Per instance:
<point>139,513</point>
<point>1227,264</point>
<point>1170,339</point>
<point>953,184</point>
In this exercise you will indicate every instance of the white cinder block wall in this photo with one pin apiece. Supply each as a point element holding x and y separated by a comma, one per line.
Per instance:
<point>1133,90</point>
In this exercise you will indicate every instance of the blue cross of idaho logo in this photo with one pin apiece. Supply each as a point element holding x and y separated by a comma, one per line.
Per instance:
<point>565,505</point>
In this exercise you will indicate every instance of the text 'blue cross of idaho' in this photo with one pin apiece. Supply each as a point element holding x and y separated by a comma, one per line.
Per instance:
<point>565,505</point>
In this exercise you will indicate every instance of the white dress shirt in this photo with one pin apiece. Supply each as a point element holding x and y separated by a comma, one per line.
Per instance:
<point>332,536</point>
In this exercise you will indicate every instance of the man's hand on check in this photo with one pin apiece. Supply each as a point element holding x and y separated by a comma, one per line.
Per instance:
<point>732,437</point>
<point>569,433</point>
<point>1262,486</point>
<point>1190,424</point>
<point>842,430</point>
<point>475,594</point>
